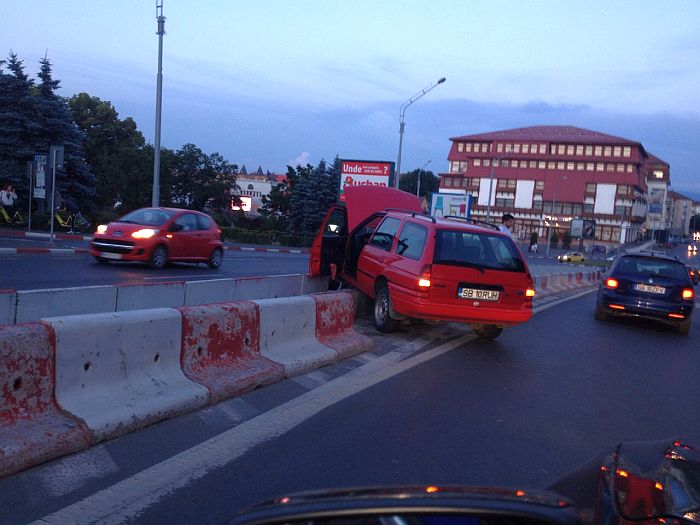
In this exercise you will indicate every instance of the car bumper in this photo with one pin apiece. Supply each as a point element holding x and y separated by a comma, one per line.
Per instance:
<point>633,306</point>
<point>418,306</point>
<point>119,250</point>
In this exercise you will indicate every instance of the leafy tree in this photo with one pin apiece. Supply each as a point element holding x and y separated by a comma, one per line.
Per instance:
<point>116,151</point>
<point>429,183</point>
<point>56,126</point>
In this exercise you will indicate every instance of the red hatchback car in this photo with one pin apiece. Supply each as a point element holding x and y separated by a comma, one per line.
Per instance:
<point>159,235</point>
<point>416,265</point>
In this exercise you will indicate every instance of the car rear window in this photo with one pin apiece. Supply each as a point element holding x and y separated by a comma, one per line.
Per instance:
<point>650,266</point>
<point>477,249</point>
<point>147,216</point>
<point>412,240</point>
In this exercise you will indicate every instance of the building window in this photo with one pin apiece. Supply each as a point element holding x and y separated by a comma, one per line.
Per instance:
<point>566,208</point>
<point>475,182</point>
<point>505,203</point>
<point>516,148</point>
<point>608,151</point>
<point>543,149</point>
<point>630,168</point>
<point>588,208</point>
<point>658,174</point>
<point>468,146</point>
<point>477,162</point>
<point>512,184</point>
<point>542,165</point>
<point>526,148</point>
<point>537,205</point>
<point>533,164</point>
<point>598,151</point>
<point>460,146</point>
<point>570,149</point>
<point>579,149</point>
<point>589,151</point>
<point>486,147</point>
<point>617,151</point>
<point>560,149</point>
<point>477,147</point>
<point>499,148</point>
<point>509,148</point>
<point>448,182</point>
<point>561,165</point>
<point>553,149</point>
<point>622,189</point>
<point>590,187</point>
<point>627,151</point>
<point>579,166</point>
<point>551,165</point>
<point>502,184</point>
<point>576,208</point>
<point>599,166</point>
<point>570,166</point>
<point>620,168</point>
<point>590,166</point>
<point>609,166</point>
<point>487,162</point>
<point>539,185</point>
<point>523,164</point>
<point>465,182</point>
<point>505,163</point>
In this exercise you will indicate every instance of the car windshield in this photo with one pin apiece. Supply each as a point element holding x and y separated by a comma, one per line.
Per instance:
<point>147,216</point>
<point>464,248</point>
<point>650,266</point>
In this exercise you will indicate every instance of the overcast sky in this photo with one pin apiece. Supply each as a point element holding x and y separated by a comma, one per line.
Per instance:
<point>273,83</point>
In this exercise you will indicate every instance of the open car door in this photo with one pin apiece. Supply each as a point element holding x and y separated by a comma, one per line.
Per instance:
<point>328,248</point>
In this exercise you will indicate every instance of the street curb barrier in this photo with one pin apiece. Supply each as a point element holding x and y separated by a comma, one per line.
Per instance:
<point>549,284</point>
<point>221,349</point>
<point>33,305</point>
<point>288,334</point>
<point>267,287</point>
<point>8,306</point>
<point>335,315</point>
<point>33,429</point>
<point>209,291</point>
<point>120,372</point>
<point>150,295</point>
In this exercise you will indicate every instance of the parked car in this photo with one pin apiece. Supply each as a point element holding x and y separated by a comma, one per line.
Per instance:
<point>418,266</point>
<point>649,285</point>
<point>159,235</point>
<point>571,257</point>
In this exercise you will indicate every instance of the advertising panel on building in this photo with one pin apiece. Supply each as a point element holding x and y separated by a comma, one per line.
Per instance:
<point>364,173</point>
<point>443,204</point>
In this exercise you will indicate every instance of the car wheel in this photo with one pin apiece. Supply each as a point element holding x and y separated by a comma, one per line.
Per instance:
<point>487,331</point>
<point>684,327</point>
<point>600,314</point>
<point>159,257</point>
<point>382,308</point>
<point>102,260</point>
<point>216,258</point>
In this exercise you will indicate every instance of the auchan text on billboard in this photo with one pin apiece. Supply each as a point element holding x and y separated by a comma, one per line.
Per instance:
<point>364,173</point>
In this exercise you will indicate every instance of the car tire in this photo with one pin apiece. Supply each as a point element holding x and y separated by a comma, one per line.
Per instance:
<point>487,331</point>
<point>101,260</point>
<point>159,257</point>
<point>600,314</point>
<point>684,327</point>
<point>382,309</point>
<point>216,258</point>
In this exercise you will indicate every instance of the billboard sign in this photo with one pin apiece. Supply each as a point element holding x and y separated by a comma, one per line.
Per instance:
<point>588,229</point>
<point>656,203</point>
<point>39,177</point>
<point>443,204</point>
<point>364,173</point>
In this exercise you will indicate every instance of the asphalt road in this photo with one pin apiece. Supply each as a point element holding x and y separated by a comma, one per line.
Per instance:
<point>427,405</point>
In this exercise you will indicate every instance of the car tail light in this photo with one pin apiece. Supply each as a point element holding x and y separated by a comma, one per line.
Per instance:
<point>611,283</point>
<point>530,293</point>
<point>687,293</point>
<point>616,306</point>
<point>424,279</point>
<point>677,316</point>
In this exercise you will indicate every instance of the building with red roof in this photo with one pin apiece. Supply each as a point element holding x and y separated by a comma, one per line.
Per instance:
<point>546,176</point>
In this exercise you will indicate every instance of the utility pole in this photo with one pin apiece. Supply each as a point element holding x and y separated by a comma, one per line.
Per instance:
<point>155,201</point>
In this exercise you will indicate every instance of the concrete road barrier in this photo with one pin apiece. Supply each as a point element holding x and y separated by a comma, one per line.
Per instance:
<point>150,295</point>
<point>121,371</point>
<point>268,287</point>
<point>32,427</point>
<point>288,334</point>
<point>210,291</point>
<point>32,305</point>
<point>221,349</point>
<point>335,315</point>
<point>8,306</point>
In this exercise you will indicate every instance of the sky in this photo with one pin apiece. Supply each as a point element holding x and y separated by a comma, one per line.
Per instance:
<point>273,83</point>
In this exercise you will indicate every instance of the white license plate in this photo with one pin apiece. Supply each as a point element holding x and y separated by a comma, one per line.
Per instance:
<point>649,289</point>
<point>107,255</point>
<point>481,295</point>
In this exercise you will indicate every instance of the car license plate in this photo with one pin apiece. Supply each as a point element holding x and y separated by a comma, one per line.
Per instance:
<point>482,295</point>
<point>649,289</point>
<point>107,255</point>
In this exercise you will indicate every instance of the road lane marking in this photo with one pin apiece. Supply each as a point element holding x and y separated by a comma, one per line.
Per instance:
<point>124,500</point>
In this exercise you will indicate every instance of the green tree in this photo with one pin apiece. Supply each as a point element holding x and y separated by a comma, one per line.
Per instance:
<point>429,183</point>
<point>116,151</point>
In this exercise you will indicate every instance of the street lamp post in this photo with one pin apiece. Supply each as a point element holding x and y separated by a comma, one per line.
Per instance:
<point>419,176</point>
<point>155,198</point>
<point>402,123</point>
<point>551,221</point>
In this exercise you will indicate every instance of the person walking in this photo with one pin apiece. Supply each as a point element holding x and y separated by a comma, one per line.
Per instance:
<point>508,222</point>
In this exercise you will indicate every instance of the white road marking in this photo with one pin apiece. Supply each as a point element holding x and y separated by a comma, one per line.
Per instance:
<point>131,496</point>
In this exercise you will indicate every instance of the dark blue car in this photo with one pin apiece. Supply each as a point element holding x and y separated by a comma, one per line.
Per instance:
<point>650,285</point>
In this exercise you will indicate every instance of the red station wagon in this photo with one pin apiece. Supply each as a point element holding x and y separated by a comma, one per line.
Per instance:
<point>418,266</point>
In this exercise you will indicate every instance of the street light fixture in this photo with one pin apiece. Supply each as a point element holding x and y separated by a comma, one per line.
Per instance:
<point>155,198</point>
<point>402,123</point>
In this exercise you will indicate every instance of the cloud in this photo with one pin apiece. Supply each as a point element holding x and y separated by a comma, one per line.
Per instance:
<point>302,159</point>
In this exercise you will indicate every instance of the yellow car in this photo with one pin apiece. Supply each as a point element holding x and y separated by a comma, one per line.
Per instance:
<point>571,257</point>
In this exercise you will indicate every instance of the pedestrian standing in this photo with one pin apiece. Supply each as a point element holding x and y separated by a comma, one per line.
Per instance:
<point>508,222</point>
<point>8,196</point>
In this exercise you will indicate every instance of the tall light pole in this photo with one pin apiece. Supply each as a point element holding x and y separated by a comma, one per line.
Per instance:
<point>402,123</point>
<point>554,203</point>
<point>155,200</point>
<point>419,174</point>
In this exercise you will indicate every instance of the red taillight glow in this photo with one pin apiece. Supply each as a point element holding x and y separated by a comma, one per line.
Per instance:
<point>616,306</point>
<point>424,279</point>
<point>623,473</point>
<point>677,316</point>
<point>687,293</point>
<point>611,283</point>
<point>431,489</point>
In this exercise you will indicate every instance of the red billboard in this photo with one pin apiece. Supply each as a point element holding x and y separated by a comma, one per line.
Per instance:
<point>364,173</point>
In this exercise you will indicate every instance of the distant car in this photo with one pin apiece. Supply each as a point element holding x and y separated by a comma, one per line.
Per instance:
<point>418,266</point>
<point>693,247</point>
<point>571,257</point>
<point>693,273</point>
<point>649,285</point>
<point>159,235</point>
